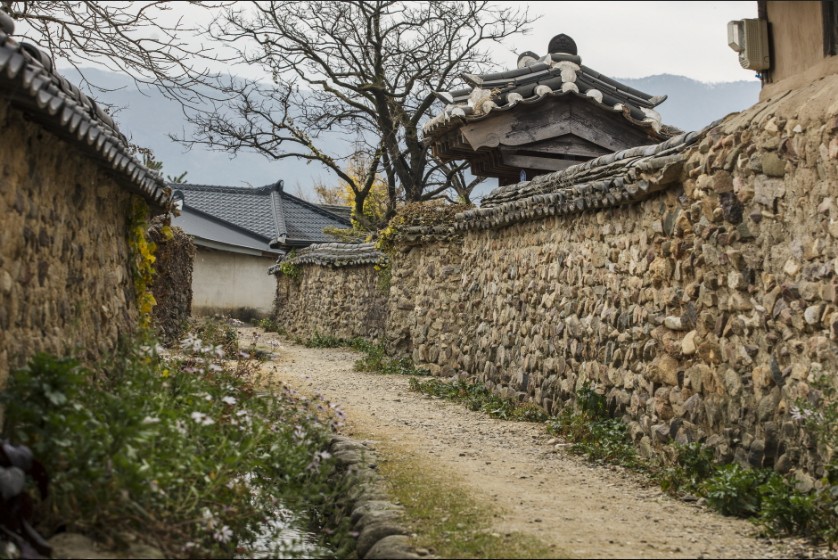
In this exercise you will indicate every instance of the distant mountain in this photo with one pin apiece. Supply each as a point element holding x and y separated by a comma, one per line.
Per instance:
<point>692,105</point>
<point>148,118</point>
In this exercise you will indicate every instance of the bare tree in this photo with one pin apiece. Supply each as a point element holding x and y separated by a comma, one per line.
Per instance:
<point>363,69</point>
<point>141,39</point>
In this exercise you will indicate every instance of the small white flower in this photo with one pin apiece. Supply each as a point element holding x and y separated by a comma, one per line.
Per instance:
<point>202,419</point>
<point>155,487</point>
<point>223,535</point>
<point>229,400</point>
<point>151,420</point>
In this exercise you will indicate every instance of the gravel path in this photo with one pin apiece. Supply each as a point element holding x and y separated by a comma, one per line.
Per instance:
<point>580,509</point>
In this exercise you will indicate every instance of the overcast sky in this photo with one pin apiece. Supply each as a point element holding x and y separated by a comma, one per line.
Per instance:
<point>633,39</point>
<point>639,39</point>
<point>619,39</point>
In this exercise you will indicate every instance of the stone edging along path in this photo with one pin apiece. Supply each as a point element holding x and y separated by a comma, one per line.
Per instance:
<point>378,522</point>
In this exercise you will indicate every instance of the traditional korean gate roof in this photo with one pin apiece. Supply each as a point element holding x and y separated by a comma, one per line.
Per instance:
<point>552,104</point>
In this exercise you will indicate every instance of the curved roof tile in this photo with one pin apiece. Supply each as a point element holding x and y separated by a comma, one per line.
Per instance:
<point>29,80</point>
<point>555,74</point>
<point>268,212</point>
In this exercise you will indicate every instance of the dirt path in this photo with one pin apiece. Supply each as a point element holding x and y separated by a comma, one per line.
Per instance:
<point>582,510</point>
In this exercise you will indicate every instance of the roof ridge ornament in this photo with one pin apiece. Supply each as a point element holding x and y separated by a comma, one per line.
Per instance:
<point>562,43</point>
<point>527,58</point>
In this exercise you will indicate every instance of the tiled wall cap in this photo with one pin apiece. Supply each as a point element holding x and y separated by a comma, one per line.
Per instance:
<point>7,24</point>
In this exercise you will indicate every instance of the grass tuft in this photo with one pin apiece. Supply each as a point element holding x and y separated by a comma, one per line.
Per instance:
<point>374,360</point>
<point>447,520</point>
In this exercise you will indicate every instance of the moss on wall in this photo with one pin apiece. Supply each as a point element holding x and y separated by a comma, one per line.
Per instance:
<point>172,287</point>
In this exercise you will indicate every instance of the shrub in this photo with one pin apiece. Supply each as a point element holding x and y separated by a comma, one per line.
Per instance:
<point>186,452</point>
<point>693,465</point>
<point>734,490</point>
<point>592,432</point>
<point>217,332</point>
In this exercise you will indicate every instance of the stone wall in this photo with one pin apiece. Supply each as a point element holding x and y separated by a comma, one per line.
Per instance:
<point>65,282</point>
<point>331,290</point>
<point>426,310</point>
<point>693,283</point>
<point>703,311</point>
<point>172,287</point>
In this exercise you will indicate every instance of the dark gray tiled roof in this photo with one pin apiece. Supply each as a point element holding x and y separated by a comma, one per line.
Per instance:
<point>303,222</point>
<point>205,228</point>
<point>342,211</point>
<point>269,212</point>
<point>29,80</point>
<point>248,208</point>
<point>553,75</point>
<point>337,254</point>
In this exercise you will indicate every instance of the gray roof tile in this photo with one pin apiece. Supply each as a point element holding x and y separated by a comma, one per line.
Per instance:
<point>554,75</point>
<point>28,79</point>
<point>269,212</point>
<point>607,181</point>
<point>337,255</point>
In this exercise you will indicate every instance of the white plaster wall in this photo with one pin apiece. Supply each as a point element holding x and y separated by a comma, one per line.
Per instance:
<point>222,280</point>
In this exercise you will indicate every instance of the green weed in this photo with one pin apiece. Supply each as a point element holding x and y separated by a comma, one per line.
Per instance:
<point>270,324</point>
<point>601,440</point>
<point>216,332</point>
<point>374,359</point>
<point>325,341</point>
<point>734,490</point>
<point>587,426</point>
<point>477,397</point>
